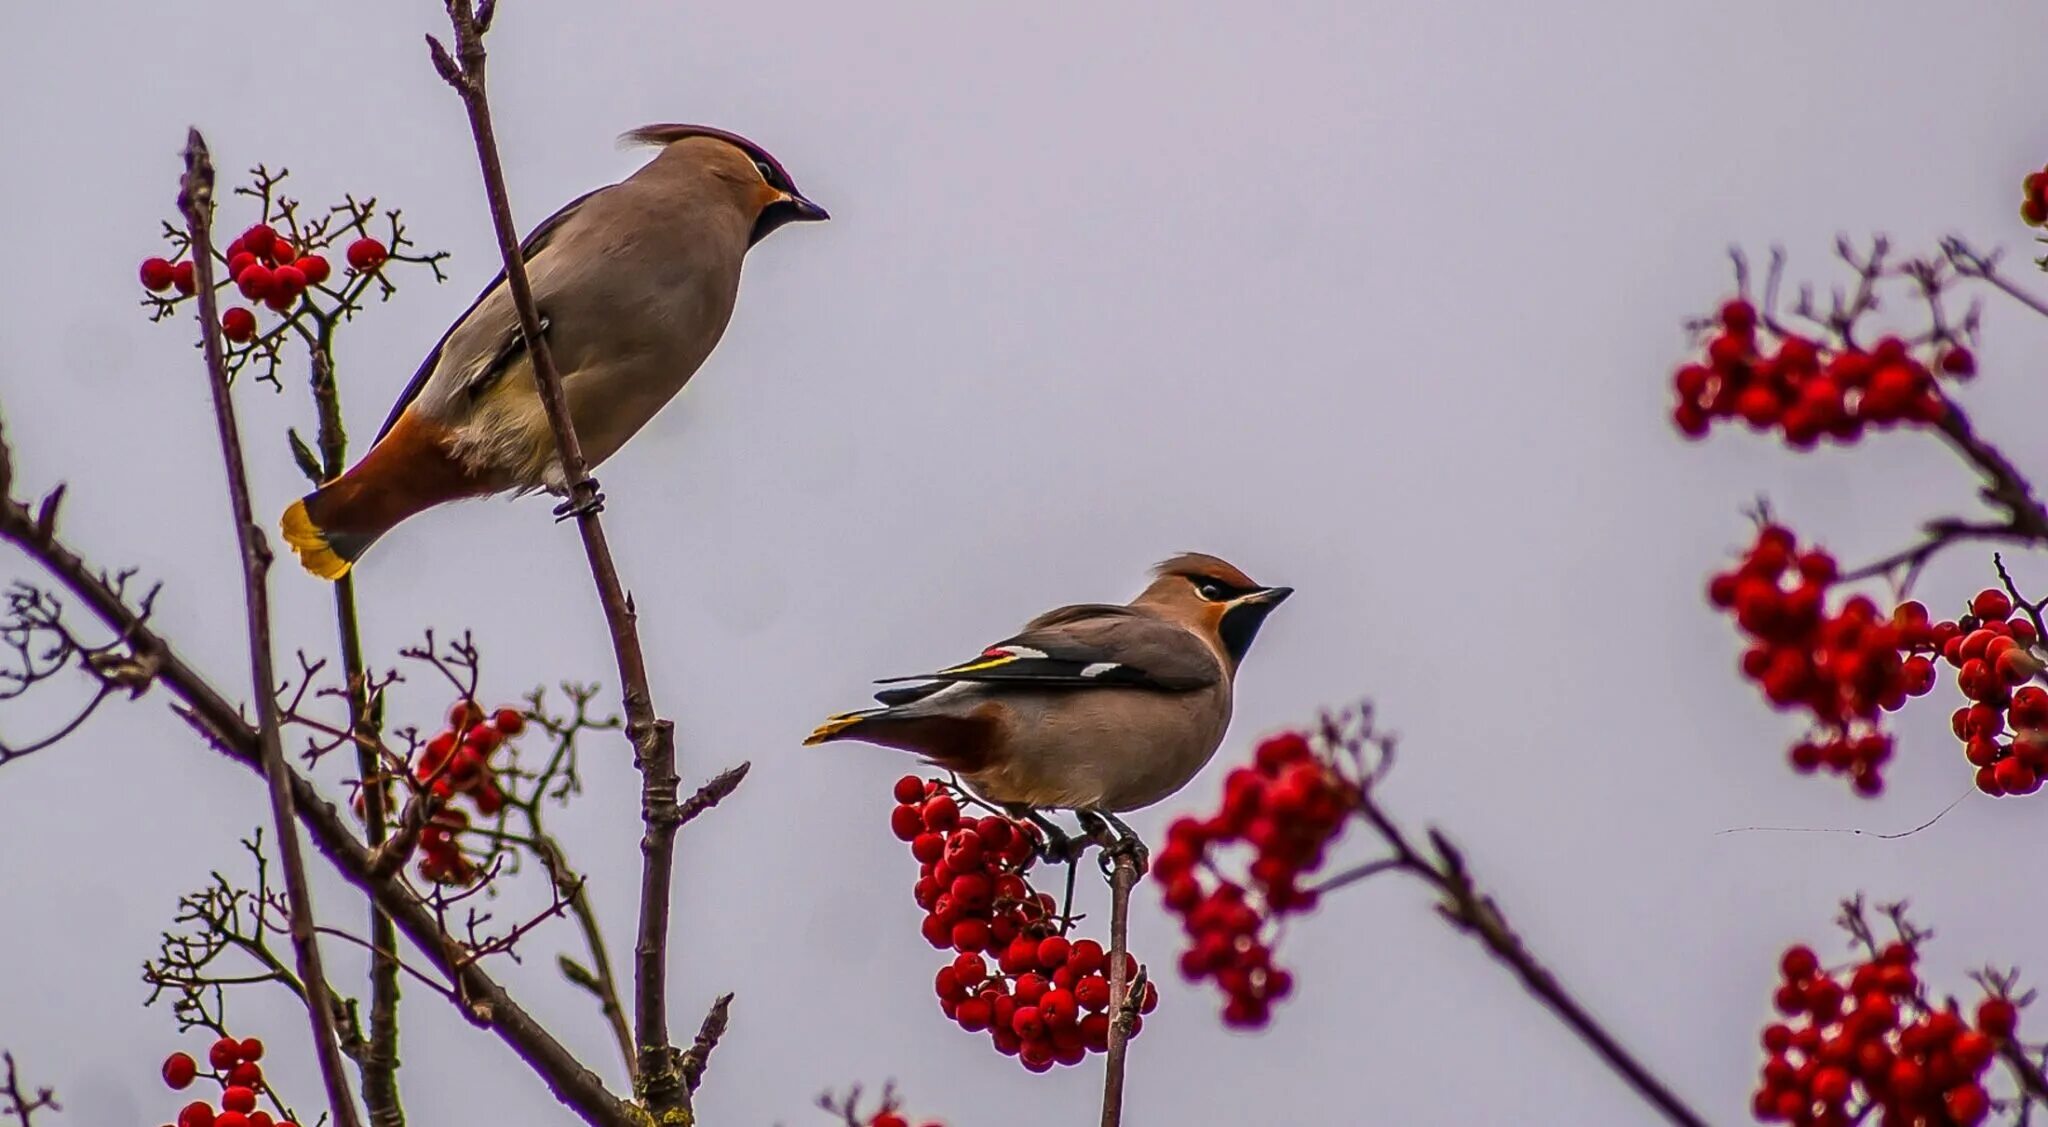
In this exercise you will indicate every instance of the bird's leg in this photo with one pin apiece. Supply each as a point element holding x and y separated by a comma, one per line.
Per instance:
<point>1067,906</point>
<point>592,501</point>
<point>1059,848</point>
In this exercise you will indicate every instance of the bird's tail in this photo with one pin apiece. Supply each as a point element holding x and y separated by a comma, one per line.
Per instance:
<point>836,727</point>
<point>409,470</point>
<point>313,526</point>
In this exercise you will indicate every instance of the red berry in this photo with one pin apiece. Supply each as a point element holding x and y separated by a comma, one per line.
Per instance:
<point>290,279</point>
<point>1967,1104</point>
<point>1831,1085</point>
<point>249,1074</point>
<point>255,282</point>
<point>1052,951</point>
<point>185,277</point>
<point>198,1113</point>
<point>180,1068</point>
<point>1997,1017</point>
<point>281,251</point>
<point>238,325</point>
<point>226,1053</point>
<point>157,274</point>
<point>238,1098</point>
<point>232,1119</point>
<point>1799,964</point>
<point>909,789</point>
<point>366,255</point>
<point>2014,777</point>
<point>1991,603</point>
<point>258,240</point>
<point>1959,362</point>
<point>941,813</point>
<point>509,721</point>
<point>905,823</point>
<point>314,267</point>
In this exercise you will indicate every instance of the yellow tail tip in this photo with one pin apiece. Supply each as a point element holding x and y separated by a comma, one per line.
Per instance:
<point>310,544</point>
<point>833,726</point>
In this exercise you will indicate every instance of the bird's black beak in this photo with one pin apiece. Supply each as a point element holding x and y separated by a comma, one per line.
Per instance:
<point>808,212</point>
<point>1245,615</point>
<point>791,208</point>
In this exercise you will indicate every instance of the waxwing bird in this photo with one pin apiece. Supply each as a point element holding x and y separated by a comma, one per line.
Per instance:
<point>1094,708</point>
<point>634,282</point>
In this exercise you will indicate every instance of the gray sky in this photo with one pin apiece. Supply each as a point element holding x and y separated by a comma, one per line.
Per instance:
<point>1376,300</point>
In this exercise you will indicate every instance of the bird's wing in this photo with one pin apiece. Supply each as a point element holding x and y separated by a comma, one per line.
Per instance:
<point>1086,645</point>
<point>549,228</point>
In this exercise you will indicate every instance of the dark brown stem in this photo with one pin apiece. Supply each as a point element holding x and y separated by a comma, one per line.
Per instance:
<point>1476,914</point>
<point>1122,878</point>
<point>657,1079</point>
<point>221,723</point>
<point>377,1061</point>
<point>195,199</point>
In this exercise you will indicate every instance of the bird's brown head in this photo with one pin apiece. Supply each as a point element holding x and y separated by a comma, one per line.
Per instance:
<point>759,185</point>
<point>1215,598</point>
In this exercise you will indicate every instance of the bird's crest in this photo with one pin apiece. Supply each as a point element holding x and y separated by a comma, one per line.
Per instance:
<point>1201,565</point>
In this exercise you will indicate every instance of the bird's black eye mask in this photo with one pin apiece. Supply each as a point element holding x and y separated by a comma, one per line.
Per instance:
<point>773,175</point>
<point>1216,590</point>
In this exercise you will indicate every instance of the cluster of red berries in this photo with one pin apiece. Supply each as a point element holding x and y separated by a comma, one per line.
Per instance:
<point>1046,998</point>
<point>267,269</point>
<point>1288,806</point>
<point>240,1077</point>
<point>1846,667</point>
<point>1809,390</point>
<point>457,762</point>
<point>1868,1032</point>
<point>2005,727</point>
<point>2034,199</point>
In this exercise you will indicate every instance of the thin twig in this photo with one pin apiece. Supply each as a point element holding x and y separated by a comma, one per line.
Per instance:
<point>20,1104</point>
<point>699,1053</point>
<point>195,199</point>
<point>657,1079</point>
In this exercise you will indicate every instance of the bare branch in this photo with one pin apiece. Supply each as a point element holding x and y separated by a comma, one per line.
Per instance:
<point>657,1079</point>
<point>195,200</point>
<point>221,724</point>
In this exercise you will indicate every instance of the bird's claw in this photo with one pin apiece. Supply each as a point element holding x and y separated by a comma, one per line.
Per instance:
<point>574,507</point>
<point>1116,839</point>
<point>1128,846</point>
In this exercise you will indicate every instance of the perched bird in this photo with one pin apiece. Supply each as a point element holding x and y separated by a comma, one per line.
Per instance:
<point>634,282</point>
<point>1094,708</point>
